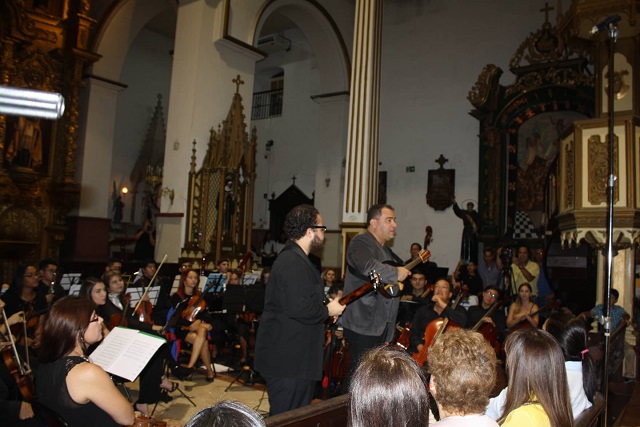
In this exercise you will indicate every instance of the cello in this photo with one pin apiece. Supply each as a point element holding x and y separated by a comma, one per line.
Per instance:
<point>434,329</point>
<point>487,330</point>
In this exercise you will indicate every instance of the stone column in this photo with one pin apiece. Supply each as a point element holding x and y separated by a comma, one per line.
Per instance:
<point>361,174</point>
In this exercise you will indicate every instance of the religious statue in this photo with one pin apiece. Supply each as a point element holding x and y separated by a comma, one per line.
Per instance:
<point>25,146</point>
<point>471,222</point>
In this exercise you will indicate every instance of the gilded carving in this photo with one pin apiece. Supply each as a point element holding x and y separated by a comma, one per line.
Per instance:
<point>570,175</point>
<point>479,93</point>
<point>598,160</point>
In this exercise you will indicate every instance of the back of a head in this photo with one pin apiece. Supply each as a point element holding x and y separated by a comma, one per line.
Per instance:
<point>227,413</point>
<point>463,368</point>
<point>535,366</point>
<point>388,388</point>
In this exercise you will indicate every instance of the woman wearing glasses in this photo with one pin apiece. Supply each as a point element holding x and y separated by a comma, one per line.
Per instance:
<point>67,382</point>
<point>24,296</point>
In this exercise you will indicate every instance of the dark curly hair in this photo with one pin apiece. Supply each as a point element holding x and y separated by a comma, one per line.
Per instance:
<point>298,220</point>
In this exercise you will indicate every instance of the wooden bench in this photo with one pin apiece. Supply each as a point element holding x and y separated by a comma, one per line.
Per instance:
<point>329,413</point>
<point>591,417</point>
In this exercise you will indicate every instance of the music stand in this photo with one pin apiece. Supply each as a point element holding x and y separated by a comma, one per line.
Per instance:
<point>238,299</point>
<point>69,279</point>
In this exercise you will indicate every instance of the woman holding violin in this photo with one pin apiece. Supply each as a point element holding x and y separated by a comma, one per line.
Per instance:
<point>116,308</point>
<point>67,382</point>
<point>14,408</point>
<point>190,326</point>
<point>523,312</point>
<point>23,296</point>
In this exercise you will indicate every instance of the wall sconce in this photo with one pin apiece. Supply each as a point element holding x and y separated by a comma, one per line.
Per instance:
<point>124,190</point>
<point>327,182</point>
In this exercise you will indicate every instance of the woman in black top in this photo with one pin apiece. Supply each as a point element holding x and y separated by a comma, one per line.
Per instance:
<point>67,382</point>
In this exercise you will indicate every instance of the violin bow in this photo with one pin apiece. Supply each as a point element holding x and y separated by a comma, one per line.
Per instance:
<point>13,342</point>
<point>146,290</point>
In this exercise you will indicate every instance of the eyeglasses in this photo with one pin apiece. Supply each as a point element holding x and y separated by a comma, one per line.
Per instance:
<point>491,294</point>
<point>319,227</point>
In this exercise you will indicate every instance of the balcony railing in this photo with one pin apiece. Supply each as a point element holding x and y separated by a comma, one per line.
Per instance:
<point>267,104</point>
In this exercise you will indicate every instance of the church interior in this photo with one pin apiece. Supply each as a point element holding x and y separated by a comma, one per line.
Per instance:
<point>210,119</point>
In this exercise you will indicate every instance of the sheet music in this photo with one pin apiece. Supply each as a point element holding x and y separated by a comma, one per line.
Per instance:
<point>74,290</point>
<point>250,279</point>
<point>218,280</point>
<point>136,294</point>
<point>69,279</point>
<point>125,352</point>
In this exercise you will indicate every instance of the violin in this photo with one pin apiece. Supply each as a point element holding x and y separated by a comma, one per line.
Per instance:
<point>434,329</point>
<point>197,303</point>
<point>144,307</point>
<point>120,319</point>
<point>20,372</point>
<point>144,421</point>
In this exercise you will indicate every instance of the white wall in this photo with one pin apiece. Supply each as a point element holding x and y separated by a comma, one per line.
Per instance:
<point>432,55</point>
<point>147,72</point>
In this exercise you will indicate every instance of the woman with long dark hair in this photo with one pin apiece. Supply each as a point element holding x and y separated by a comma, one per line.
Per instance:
<point>194,332</point>
<point>537,394</point>
<point>67,382</point>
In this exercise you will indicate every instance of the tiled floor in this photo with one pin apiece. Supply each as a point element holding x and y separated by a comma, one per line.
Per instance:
<point>179,410</point>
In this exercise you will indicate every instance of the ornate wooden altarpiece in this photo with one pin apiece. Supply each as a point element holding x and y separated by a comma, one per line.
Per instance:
<point>520,125</point>
<point>220,197</point>
<point>44,46</point>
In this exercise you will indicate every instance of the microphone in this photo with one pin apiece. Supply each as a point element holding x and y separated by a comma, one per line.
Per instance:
<point>603,25</point>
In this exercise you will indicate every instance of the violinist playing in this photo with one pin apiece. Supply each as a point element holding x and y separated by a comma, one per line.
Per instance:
<point>116,308</point>
<point>14,409</point>
<point>190,326</point>
<point>439,308</point>
<point>23,296</point>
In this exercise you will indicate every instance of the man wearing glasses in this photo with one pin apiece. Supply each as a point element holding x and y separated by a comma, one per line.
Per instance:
<point>370,320</point>
<point>289,345</point>
<point>489,296</point>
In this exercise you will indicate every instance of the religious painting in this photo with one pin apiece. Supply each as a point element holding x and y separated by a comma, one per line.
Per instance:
<point>538,144</point>
<point>25,140</point>
<point>441,188</point>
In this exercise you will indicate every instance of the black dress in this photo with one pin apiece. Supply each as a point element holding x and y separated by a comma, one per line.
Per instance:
<point>52,391</point>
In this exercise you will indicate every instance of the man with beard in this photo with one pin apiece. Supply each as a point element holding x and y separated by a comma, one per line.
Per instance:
<point>370,320</point>
<point>289,345</point>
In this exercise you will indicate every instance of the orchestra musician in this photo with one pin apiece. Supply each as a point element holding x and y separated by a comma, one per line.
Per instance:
<point>67,382</point>
<point>440,308</point>
<point>195,332</point>
<point>23,296</point>
<point>13,407</point>
<point>523,309</point>
<point>289,344</point>
<point>475,313</point>
<point>370,320</point>
<point>152,381</point>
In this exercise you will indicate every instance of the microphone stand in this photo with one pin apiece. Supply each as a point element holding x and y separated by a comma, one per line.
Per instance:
<point>613,36</point>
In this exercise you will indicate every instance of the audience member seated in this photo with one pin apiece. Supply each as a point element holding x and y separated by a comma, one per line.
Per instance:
<point>227,413</point>
<point>67,382</point>
<point>537,392</point>
<point>571,334</point>
<point>463,373</point>
<point>388,389</point>
<point>523,309</point>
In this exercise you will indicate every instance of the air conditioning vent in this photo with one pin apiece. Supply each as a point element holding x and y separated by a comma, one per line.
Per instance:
<point>273,43</point>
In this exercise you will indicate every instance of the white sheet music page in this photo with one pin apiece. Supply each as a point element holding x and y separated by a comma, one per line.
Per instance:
<point>125,352</point>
